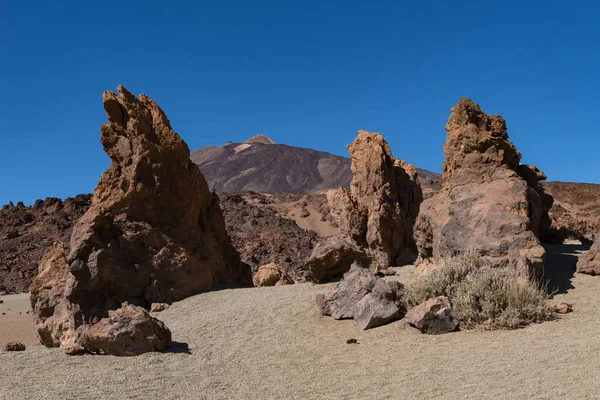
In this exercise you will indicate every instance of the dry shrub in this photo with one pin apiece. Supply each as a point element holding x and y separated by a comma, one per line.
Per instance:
<point>482,296</point>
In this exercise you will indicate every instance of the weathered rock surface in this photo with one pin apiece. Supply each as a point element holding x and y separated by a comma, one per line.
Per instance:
<point>50,314</point>
<point>589,263</point>
<point>268,275</point>
<point>379,211</point>
<point>127,331</point>
<point>434,316</point>
<point>14,346</point>
<point>382,305</point>
<point>332,257</point>
<point>154,233</point>
<point>158,307</point>
<point>489,203</point>
<point>361,295</point>
<point>27,232</point>
<point>563,308</point>
<point>262,235</point>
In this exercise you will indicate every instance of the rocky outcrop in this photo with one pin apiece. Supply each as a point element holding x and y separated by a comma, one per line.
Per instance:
<point>154,232</point>
<point>379,211</point>
<point>50,314</point>
<point>489,203</point>
<point>434,316</point>
<point>360,295</point>
<point>262,235</point>
<point>27,232</point>
<point>127,331</point>
<point>589,263</point>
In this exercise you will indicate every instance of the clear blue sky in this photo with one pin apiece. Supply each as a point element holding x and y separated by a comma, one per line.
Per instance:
<point>306,73</point>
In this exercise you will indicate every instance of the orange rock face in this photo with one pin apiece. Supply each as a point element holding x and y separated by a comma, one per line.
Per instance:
<point>379,211</point>
<point>154,232</point>
<point>489,203</point>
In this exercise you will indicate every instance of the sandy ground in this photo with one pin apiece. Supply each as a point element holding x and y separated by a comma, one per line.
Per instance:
<point>270,343</point>
<point>16,324</point>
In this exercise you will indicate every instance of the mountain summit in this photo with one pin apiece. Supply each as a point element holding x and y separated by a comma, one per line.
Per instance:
<point>261,138</point>
<point>261,165</point>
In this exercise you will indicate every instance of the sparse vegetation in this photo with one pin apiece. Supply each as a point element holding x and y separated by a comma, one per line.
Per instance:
<point>483,297</point>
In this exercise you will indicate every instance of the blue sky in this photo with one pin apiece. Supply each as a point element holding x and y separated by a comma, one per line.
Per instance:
<point>306,73</point>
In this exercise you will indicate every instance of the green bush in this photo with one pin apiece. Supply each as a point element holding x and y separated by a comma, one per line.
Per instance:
<point>482,296</point>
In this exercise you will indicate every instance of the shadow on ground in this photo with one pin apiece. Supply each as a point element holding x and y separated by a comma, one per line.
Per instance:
<point>561,260</point>
<point>178,347</point>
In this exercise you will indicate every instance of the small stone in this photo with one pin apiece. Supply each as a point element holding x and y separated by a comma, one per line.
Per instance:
<point>1,301</point>
<point>563,308</point>
<point>192,346</point>
<point>14,346</point>
<point>352,341</point>
<point>433,316</point>
<point>158,307</point>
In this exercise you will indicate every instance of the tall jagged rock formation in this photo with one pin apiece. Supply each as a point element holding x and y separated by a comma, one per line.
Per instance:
<point>379,211</point>
<point>489,203</point>
<point>154,231</point>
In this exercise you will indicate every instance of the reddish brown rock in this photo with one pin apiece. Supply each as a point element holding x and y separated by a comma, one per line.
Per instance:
<point>332,257</point>
<point>128,331</point>
<point>158,307</point>
<point>379,211</point>
<point>154,232</point>
<point>50,314</point>
<point>563,308</point>
<point>433,316</point>
<point>27,232</point>
<point>14,346</point>
<point>589,263</point>
<point>268,275</point>
<point>489,203</point>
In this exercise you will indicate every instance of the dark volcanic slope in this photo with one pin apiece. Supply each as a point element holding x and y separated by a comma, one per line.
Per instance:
<point>261,165</point>
<point>576,206</point>
<point>27,232</point>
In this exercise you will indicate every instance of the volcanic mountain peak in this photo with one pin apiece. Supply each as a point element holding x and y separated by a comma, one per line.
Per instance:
<point>261,138</point>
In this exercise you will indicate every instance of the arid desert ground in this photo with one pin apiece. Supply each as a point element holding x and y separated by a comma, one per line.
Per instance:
<point>233,343</point>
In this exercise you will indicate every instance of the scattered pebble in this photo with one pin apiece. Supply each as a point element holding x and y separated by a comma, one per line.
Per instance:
<point>352,341</point>
<point>192,346</point>
<point>563,308</point>
<point>1,301</point>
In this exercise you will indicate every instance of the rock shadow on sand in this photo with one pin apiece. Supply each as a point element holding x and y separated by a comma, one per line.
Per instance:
<point>561,261</point>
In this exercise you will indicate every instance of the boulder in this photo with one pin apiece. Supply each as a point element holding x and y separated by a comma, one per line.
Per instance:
<point>267,275</point>
<point>489,203</point>
<point>434,316</point>
<point>382,305</point>
<point>589,263</point>
<point>379,211</point>
<point>331,258</point>
<point>341,300</point>
<point>128,331</point>
<point>361,295</point>
<point>14,346</point>
<point>154,232</point>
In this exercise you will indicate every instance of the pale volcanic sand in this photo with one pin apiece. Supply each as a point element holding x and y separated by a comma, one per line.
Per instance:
<point>270,343</point>
<point>16,325</point>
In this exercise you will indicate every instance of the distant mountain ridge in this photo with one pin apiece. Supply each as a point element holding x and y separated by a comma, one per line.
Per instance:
<point>261,165</point>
